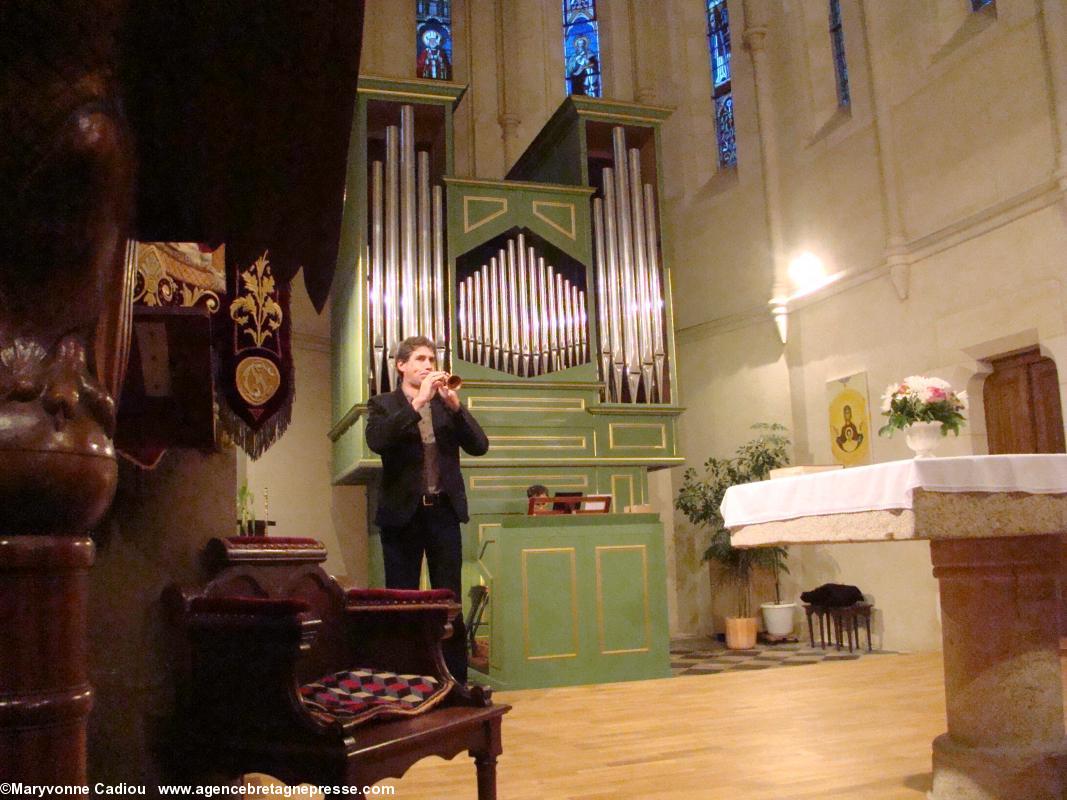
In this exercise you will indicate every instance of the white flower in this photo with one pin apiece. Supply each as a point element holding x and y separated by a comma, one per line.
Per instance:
<point>888,397</point>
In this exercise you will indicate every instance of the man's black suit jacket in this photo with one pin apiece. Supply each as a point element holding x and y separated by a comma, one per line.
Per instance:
<point>393,433</point>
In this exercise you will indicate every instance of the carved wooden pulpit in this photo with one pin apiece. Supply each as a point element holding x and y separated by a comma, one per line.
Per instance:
<point>215,122</point>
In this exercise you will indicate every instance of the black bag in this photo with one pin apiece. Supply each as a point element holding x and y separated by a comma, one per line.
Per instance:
<point>833,594</point>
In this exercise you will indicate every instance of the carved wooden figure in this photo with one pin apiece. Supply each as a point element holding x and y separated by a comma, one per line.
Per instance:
<point>66,177</point>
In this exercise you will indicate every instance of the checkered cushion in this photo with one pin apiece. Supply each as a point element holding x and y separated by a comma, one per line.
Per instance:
<point>364,692</point>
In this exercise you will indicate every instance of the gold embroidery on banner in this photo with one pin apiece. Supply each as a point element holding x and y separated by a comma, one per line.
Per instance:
<point>256,312</point>
<point>178,274</point>
<point>257,380</point>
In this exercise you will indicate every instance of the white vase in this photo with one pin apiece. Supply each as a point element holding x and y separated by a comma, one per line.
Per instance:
<point>923,438</point>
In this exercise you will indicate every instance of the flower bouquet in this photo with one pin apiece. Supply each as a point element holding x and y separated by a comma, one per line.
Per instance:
<point>918,399</point>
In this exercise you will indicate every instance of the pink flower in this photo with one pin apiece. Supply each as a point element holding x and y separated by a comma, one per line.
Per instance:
<point>933,394</point>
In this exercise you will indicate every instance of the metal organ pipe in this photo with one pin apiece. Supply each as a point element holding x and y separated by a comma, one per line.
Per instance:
<point>656,287</point>
<point>493,297</point>
<point>522,319</point>
<point>614,277</point>
<point>423,285</point>
<point>407,220</point>
<point>392,246</point>
<point>440,335</point>
<point>377,282</point>
<point>644,305</point>
<point>603,332</point>
<point>546,321</point>
<point>626,263</point>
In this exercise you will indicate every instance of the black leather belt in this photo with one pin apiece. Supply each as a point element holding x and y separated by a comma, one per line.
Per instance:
<point>432,499</point>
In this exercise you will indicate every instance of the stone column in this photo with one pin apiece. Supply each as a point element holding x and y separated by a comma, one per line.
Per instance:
<point>897,257</point>
<point>1054,39</point>
<point>1003,691</point>
<point>755,39</point>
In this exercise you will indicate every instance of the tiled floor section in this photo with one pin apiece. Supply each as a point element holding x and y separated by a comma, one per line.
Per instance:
<point>707,656</point>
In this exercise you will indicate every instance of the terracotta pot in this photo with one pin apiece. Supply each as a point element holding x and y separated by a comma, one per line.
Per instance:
<point>740,633</point>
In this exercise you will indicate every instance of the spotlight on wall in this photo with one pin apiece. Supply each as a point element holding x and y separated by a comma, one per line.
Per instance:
<point>807,273</point>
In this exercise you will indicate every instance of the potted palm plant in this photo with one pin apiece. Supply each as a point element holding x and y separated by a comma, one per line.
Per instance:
<point>700,498</point>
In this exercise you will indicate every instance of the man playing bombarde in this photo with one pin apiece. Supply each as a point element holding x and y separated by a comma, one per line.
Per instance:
<point>418,430</point>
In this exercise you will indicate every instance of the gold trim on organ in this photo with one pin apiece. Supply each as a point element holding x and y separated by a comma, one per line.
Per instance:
<point>662,432</point>
<point>568,404</point>
<point>526,604</point>
<point>600,599</point>
<point>615,495</point>
<point>479,482</point>
<point>501,202</point>
<point>572,232</point>
<point>580,442</point>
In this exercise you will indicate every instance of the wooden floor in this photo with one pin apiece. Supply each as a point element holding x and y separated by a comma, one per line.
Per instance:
<point>856,729</point>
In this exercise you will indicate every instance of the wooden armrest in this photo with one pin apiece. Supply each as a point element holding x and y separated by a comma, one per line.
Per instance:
<point>243,655</point>
<point>403,638</point>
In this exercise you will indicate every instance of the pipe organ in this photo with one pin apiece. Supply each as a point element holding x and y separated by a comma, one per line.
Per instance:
<point>548,292</point>
<point>518,315</point>
<point>630,321</point>
<point>406,289</point>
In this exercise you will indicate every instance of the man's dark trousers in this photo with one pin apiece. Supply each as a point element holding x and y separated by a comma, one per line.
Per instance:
<point>434,530</point>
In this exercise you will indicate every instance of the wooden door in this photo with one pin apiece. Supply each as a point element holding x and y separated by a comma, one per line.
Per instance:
<point>1022,405</point>
<point>1023,415</point>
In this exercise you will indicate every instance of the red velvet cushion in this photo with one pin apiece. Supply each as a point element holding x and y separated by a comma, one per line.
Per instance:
<point>385,596</point>
<point>261,606</point>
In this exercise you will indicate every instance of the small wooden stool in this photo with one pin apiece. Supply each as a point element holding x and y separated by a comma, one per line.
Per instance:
<point>847,619</point>
<point>823,615</point>
<point>841,622</point>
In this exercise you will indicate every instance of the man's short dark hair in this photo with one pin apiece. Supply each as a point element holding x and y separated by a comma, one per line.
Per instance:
<point>537,490</point>
<point>410,345</point>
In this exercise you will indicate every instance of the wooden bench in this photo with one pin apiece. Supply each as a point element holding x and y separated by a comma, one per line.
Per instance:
<point>273,649</point>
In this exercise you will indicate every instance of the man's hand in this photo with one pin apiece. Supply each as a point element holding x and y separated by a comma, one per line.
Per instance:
<point>431,385</point>
<point>450,397</point>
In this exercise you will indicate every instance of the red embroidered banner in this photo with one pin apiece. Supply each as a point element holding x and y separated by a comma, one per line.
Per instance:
<point>255,379</point>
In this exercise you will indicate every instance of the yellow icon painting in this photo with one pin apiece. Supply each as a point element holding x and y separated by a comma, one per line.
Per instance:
<point>850,424</point>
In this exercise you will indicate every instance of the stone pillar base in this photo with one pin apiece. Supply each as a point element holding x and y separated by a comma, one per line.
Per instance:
<point>1001,773</point>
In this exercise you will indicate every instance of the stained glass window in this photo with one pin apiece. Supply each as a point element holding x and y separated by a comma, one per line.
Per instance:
<point>581,48</point>
<point>719,51</point>
<point>837,40</point>
<point>433,39</point>
<point>978,5</point>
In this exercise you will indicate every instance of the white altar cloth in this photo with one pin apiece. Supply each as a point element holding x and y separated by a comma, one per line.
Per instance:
<point>890,485</point>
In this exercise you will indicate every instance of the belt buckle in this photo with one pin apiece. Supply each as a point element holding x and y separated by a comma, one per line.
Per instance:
<point>429,500</point>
